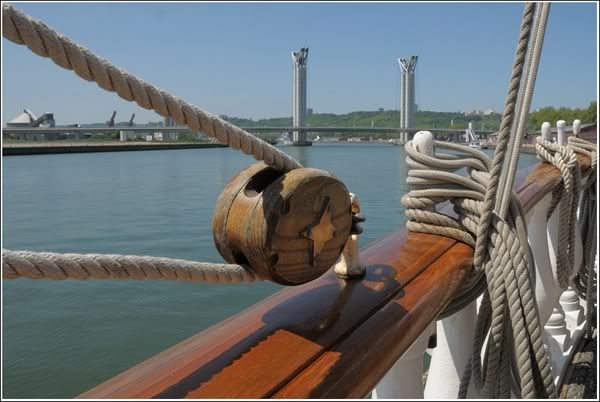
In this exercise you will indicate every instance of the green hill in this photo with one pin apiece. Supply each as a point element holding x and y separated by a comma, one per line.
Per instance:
<point>423,119</point>
<point>380,118</point>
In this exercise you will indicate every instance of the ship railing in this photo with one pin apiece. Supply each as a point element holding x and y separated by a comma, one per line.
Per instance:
<point>333,338</point>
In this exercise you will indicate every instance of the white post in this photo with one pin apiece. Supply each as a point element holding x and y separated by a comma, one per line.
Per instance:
<point>573,309</point>
<point>424,142</point>
<point>405,379</point>
<point>454,333</point>
<point>450,356</point>
<point>546,133</point>
<point>546,287</point>
<point>576,127</point>
<point>562,329</point>
<point>561,137</point>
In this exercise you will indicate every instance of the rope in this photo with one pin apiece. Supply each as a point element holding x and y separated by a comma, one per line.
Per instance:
<point>46,42</point>
<point>585,280</point>
<point>433,180</point>
<point>567,195</point>
<point>43,265</point>
<point>509,268</point>
<point>491,219</point>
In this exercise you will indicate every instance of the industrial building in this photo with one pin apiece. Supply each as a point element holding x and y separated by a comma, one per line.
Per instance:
<point>168,136</point>
<point>28,119</point>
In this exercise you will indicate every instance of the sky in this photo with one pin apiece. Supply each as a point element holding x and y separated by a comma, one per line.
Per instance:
<point>235,59</point>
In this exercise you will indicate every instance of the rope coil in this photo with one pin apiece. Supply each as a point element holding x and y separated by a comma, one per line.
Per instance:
<point>567,196</point>
<point>490,218</point>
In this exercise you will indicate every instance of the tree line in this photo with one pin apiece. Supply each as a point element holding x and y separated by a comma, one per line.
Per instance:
<point>424,119</point>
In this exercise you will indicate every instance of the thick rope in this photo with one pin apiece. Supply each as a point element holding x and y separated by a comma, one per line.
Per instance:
<point>585,280</point>
<point>46,42</point>
<point>567,196</point>
<point>509,268</point>
<point>43,265</point>
<point>434,180</point>
<point>491,220</point>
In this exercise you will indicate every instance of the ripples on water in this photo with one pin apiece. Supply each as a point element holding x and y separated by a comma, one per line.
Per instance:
<point>62,337</point>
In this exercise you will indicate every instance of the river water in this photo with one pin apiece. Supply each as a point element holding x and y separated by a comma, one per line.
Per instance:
<point>61,338</point>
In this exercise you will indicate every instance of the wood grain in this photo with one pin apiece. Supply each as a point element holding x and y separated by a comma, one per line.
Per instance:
<point>254,354</point>
<point>289,228</point>
<point>353,367</point>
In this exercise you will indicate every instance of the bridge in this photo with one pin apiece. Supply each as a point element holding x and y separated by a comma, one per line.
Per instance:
<point>282,129</point>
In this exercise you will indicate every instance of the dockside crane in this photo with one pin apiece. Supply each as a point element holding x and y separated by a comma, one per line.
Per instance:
<point>111,122</point>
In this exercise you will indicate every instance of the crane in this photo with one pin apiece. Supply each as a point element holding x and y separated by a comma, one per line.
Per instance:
<point>111,122</point>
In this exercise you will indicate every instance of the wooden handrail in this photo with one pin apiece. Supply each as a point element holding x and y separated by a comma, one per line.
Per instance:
<point>329,338</point>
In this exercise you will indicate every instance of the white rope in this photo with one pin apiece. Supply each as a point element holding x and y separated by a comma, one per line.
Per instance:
<point>46,42</point>
<point>567,196</point>
<point>45,265</point>
<point>491,219</point>
<point>586,280</point>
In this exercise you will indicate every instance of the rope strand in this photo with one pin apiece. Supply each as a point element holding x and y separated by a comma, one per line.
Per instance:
<point>46,42</point>
<point>45,265</point>
<point>491,219</point>
<point>566,196</point>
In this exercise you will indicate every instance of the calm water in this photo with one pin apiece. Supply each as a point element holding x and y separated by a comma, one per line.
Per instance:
<point>61,338</point>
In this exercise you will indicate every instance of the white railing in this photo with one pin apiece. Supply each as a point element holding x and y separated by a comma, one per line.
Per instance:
<point>562,314</point>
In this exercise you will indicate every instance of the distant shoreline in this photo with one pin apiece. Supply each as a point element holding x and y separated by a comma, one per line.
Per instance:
<point>46,148</point>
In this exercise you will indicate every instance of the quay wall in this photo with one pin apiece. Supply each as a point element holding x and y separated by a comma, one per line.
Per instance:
<point>46,148</point>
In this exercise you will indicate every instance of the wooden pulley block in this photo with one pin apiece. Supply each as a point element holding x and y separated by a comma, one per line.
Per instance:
<point>290,228</point>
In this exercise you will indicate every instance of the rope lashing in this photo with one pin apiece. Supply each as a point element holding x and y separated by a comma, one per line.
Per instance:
<point>585,280</point>
<point>491,219</point>
<point>44,265</point>
<point>46,42</point>
<point>508,265</point>
<point>567,196</point>
<point>433,181</point>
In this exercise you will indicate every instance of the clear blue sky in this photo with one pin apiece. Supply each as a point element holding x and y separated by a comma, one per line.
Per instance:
<point>234,59</point>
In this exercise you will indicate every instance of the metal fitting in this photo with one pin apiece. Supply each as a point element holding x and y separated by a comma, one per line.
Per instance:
<point>349,265</point>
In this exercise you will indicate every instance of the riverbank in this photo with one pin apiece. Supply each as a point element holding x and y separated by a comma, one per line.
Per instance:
<point>44,148</point>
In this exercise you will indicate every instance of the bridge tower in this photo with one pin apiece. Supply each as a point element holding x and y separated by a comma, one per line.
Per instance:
<point>407,95</point>
<point>299,111</point>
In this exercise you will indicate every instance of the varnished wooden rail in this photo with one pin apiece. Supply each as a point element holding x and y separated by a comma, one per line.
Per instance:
<point>329,338</point>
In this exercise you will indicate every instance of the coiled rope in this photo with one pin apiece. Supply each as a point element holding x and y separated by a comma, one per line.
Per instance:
<point>47,42</point>
<point>567,195</point>
<point>43,265</point>
<point>433,180</point>
<point>491,218</point>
